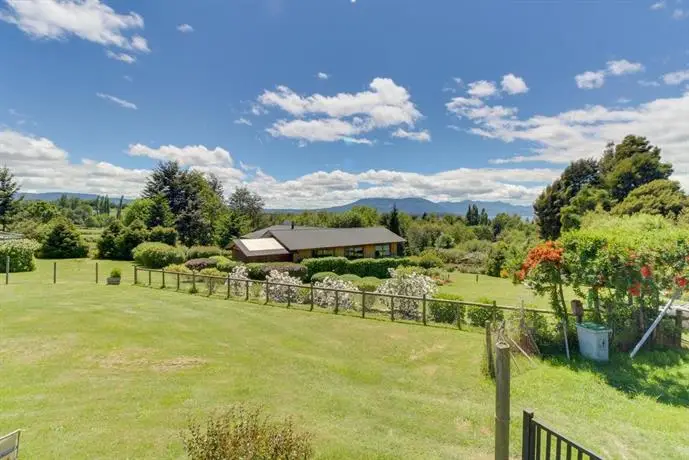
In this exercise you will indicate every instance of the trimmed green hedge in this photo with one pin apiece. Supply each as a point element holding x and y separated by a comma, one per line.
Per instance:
<point>378,268</point>
<point>163,235</point>
<point>259,271</point>
<point>224,264</point>
<point>442,312</point>
<point>157,255</point>
<point>323,275</point>
<point>21,255</point>
<point>203,252</point>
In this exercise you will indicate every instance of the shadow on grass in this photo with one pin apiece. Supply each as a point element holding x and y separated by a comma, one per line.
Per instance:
<point>661,374</point>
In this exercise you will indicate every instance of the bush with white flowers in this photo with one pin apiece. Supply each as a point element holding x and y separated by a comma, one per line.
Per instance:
<point>238,278</point>
<point>327,298</point>
<point>406,283</point>
<point>287,287</point>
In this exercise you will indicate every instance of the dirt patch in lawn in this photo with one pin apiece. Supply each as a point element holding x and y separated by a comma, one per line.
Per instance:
<point>135,359</point>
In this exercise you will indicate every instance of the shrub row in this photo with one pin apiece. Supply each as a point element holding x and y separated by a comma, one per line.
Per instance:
<point>20,253</point>
<point>117,241</point>
<point>378,268</point>
<point>259,271</point>
<point>157,255</point>
<point>203,252</point>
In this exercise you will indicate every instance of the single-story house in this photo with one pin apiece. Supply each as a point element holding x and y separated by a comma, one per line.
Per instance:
<point>287,243</point>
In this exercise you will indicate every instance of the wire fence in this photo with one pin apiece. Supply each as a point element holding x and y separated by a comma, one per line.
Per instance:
<point>425,310</point>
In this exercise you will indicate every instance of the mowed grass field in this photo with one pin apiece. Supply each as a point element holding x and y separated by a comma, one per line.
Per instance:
<point>501,290</point>
<point>94,371</point>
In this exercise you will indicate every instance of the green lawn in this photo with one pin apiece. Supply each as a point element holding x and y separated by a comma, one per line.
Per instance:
<point>503,291</point>
<point>94,371</point>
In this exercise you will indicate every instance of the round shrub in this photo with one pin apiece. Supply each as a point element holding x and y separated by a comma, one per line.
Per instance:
<point>178,268</point>
<point>224,264</point>
<point>115,273</point>
<point>258,271</point>
<point>445,312</point>
<point>63,241</point>
<point>326,264</point>
<point>20,253</point>
<point>323,275</point>
<point>478,316</point>
<point>200,264</point>
<point>157,255</point>
<point>212,272</point>
<point>368,284</point>
<point>350,278</point>
<point>203,252</point>
<point>163,235</point>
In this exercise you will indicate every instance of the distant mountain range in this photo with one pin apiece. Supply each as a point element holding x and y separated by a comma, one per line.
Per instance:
<point>418,206</point>
<point>54,196</point>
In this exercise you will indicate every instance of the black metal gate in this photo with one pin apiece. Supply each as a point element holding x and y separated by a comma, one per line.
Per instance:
<point>540,442</point>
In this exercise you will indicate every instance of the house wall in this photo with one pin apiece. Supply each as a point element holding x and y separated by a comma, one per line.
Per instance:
<point>369,252</point>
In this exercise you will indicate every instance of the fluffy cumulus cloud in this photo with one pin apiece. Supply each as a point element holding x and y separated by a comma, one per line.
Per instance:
<point>511,84</point>
<point>581,133</point>
<point>41,165</point>
<point>342,117</point>
<point>124,57</point>
<point>243,121</point>
<point>121,102</point>
<point>676,78</point>
<point>596,79</point>
<point>420,136</point>
<point>190,155</point>
<point>185,28</point>
<point>658,5</point>
<point>322,76</point>
<point>89,20</point>
<point>590,80</point>
<point>482,88</point>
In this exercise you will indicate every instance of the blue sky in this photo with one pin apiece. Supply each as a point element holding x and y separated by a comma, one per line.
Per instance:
<point>314,102</point>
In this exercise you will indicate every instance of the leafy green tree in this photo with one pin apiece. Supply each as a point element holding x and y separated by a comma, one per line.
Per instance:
<point>231,226</point>
<point>138,210</point>
<point>9,201</point>
<point>588,199</point>
<point>192,225</point>
<point>444,241</point>
<point>472,216</point>
<point>662,196</point>
<point>159,214</point>
<point>393,221</point>
<point>167,179</point>
<point>631,164</point>
<point>38,211</point>
<point>246,203</point>
<point>63,241</point>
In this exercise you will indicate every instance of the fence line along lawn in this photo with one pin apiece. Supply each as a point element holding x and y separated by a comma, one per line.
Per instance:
<point>94,371</point>
<point>502,290</point>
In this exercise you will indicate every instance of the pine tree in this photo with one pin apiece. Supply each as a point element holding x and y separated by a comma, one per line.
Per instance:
<point>394,221</point>
<point>9,188</point>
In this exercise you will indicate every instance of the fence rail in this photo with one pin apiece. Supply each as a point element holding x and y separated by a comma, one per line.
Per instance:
<point>539,442</point>
<point>396,307</point>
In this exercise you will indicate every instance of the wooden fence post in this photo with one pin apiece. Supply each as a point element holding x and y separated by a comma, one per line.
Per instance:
<point>424,309</point>
<point>149,278</point>
<point>526,435</point>
<point>392,309</point>
<point>495,312</point>
<point>490,364</point>
<point>228,287</point>
<point>502,402</point>
<point>267,292</point>
<point>136,274</point>
<point>54,272</point>
<point>162,273</point>
<point>337,301</point>
<point>96,272</point>
<point>289,296</point>
<point>311,295</point>
<point>210,282</point>
<point>247,291</point>
<point>178,281</point>
<point>363,304</point>
<point>7,270</point>
<point>193,281</point>
<point>460,311</point>
<point>477,277</point>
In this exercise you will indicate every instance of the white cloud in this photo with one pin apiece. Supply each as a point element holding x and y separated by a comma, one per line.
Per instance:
<point>344,115</point>
<point>623,100</point>
<point>89,20</point>
<point>512,84</point>
<point>676,78</point>
<point>322,75</point>
<point>590,80</point>
<point>128,78</point>
<point>139,43</point>
<point>482,88</point>
<point>121,102</point>
<point>258,109</point>
<point>420,136</point>
<point>190,155</point>
<point>124,57</point>
<point>243,121</point>
<point>679,14</point>
<point>359,140</point>
<point>658,5</point>
<point>458,81</point>
<point>623,67</point>
<point>649,83</point>
<point>185,28</point>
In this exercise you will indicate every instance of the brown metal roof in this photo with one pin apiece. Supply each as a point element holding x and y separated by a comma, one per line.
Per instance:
<point>297,239</point>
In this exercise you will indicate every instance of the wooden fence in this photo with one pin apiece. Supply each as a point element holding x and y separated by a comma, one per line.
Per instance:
<point>424,309</point>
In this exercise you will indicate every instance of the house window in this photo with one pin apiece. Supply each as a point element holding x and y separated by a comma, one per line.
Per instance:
<point>323,253</point>
<point>383,250</point>
<point>354,252</point>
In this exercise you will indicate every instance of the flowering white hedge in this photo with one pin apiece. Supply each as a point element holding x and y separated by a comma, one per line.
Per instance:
<point>324,298</point>
<point>288,288</point>
<point>406,284</point>
<point>238,277</point>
